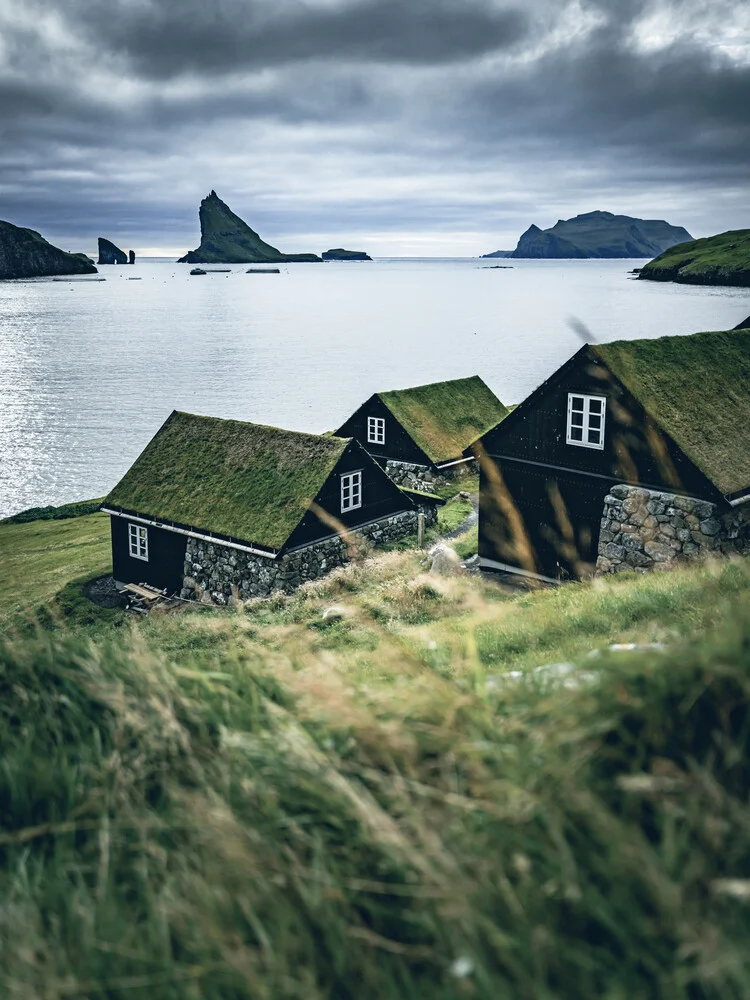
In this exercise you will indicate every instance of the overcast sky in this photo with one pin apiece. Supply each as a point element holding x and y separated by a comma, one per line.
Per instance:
<point>403,127</point>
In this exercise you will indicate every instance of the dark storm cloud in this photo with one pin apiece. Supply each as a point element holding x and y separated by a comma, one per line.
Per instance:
<point>161,39</point>
<point>682,102</point>
<point>381,115</point>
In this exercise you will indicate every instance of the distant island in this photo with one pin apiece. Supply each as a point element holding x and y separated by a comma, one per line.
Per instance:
<point>341,254</point>
<point>497,253</point>
<point>24,253</point>
<point>226,239</point>
<point>715,260</point>
<point>597,234</point>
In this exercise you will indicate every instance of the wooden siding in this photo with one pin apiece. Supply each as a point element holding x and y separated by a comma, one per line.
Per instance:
<point>553,530</point>
<point>635,450</point>
<point>556,490</point>
<point>166,557</point>
<point>380,498</point>
<point>399,445</point>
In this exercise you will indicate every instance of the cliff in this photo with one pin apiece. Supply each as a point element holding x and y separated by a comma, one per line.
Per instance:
<point>110,254</point>
<point>715,260</point>
<point>341,254</point>
<point>600,234</point>
<point>226,239</point>
<point>497,253</point>
<point>24,253</point>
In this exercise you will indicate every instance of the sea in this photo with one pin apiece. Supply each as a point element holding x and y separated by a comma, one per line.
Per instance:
<point>89,369</point>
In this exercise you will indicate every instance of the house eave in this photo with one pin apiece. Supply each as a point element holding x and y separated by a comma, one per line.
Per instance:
<point>190,532</point>
<point>738,497</point>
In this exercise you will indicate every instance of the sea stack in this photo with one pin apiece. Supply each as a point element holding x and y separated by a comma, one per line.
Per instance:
<point>24,253</point>
<point>110,254</point>
<point>131,256</point>
<point>226,239</point>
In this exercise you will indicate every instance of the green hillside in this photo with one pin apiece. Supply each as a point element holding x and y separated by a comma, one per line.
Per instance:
<point>716,260</point>
<point>441,790</point>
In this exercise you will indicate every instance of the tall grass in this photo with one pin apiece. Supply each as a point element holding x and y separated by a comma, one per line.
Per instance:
<point>262,805</point>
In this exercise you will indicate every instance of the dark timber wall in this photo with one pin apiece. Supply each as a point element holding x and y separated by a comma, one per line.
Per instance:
<point>380,498</point>
<point>398,446</point>
<point>166,557</point>
<point>557,490</point>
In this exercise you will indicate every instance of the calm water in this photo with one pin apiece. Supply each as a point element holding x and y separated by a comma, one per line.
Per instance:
<point>89,371</point>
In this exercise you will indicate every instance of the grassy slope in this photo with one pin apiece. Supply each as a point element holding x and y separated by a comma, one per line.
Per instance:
<point>268,803</point>
<point>39,557</point>
<point>716,260</point>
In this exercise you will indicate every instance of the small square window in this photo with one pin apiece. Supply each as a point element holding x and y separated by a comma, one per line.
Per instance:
<point>585,426</point>
<point>138,541</point>
<point>351,491</point>
<point>376,430</point>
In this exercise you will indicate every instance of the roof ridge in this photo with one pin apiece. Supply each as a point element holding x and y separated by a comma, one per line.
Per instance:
<point>265,427</point>
<point>429,385</point>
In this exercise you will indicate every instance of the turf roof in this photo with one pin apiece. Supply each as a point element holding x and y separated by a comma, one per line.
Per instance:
<point>444,418</point>
<point>228,477</point>
<point>698,389</point>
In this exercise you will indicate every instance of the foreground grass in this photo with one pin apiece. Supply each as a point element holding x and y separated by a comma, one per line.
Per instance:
<point>387,785</point>
<point>267,803</point>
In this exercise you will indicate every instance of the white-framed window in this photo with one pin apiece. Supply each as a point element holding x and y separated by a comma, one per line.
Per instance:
<point>586,420</point>
<point>376,430</point>
<point>351,491</point>
<point>138,541</point>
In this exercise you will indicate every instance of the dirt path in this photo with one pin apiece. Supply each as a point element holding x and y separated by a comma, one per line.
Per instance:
<point>469,522</point>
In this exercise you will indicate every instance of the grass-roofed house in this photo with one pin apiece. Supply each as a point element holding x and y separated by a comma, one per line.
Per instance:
<point>211,505</point>
<point>631,455</point>
<point>421,435</point>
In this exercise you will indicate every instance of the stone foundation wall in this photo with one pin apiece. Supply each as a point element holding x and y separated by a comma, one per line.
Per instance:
<point>212,570</point>
<point>419,477</point>
<point>643,530</point>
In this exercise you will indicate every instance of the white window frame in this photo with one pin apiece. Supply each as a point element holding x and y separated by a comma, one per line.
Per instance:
<point>351,491</point>
<point>588,421</point>
<point>376,430</point>
<point>138,541</point>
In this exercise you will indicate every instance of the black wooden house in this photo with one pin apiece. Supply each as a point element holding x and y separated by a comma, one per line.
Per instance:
<point>244,490</point>
<point>670,414</point>
<point>430,426</point>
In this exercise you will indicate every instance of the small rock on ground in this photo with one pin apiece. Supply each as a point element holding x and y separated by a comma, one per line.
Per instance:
<point>445,562</point>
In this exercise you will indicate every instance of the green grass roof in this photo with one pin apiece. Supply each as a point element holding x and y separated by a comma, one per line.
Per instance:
<point>444,418</point>
<point>698,389</point>
<point>228,477</point>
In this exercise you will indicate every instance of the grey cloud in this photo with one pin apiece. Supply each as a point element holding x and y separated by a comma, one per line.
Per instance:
<point>376,115</point>
<point>163,39</point>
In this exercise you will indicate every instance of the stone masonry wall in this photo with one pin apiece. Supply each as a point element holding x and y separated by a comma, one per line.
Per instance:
<point>418,477</point>
<point>212,570</point>
<point>643,530</point>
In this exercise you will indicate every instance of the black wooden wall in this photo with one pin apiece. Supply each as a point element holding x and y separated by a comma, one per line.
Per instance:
<point>634,450</point>
<point>166,557</point>
<point>398,446</point>
<point>534,483</point>
<point>380,498</point>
